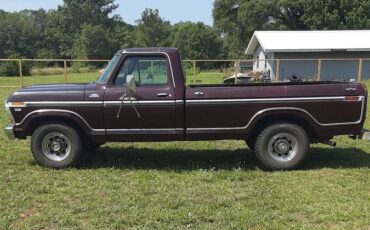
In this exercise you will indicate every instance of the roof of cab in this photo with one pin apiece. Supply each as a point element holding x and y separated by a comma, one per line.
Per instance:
<point>167,50</point>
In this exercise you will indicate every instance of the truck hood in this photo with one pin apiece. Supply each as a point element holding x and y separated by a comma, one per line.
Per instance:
<point>51,92</point>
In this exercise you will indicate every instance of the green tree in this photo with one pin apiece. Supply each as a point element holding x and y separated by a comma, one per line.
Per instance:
<point>152,30</point>
<point>237,20</point>
<point>122,36</point>
<point>93,42</point>
<point>334,14</point>
<point>196,40</point>
<point>21,33</point>
<point>65,24</point>
<point>287,14</point>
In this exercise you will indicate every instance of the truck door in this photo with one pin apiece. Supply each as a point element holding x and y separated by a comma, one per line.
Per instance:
<point>150,113</point>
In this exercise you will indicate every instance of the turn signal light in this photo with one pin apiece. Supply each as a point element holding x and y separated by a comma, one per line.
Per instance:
<point>352,98</point>
<point>17,104</point>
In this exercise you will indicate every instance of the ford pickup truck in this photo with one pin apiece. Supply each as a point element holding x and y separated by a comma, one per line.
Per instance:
<point>141,96</point>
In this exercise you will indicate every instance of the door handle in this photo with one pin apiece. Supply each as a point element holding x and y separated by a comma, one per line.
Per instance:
<point>162,94</point>
<point>199,93</point>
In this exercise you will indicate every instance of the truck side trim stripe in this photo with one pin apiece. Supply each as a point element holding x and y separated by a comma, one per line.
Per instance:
<point>299,99</point>
<point>60,111</point>
<point>193,102</point>
<point>145,131</point>
<point>64,103</point>
<point>195,130</point>
<point>127,131</point>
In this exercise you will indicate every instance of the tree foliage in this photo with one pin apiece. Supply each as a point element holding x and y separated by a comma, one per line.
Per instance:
<point>334,14</point>
<point>196,40</point>
<point>66,23</point>
<point>236,20</point>
<point>152,30</point>
<point>90,29</point>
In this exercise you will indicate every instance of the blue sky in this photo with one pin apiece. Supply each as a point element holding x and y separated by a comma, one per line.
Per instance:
<point>130,10</point>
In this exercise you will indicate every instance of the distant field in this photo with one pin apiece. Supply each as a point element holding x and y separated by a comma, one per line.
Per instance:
<point>30,80</point>
<point>179,185</point>
<point>203,77</point>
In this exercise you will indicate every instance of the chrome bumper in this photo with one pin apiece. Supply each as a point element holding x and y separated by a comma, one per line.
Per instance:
<point>365,135</point>
<point>9,131</point>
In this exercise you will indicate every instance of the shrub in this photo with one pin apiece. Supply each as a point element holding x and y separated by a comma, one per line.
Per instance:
<point>11,68</point>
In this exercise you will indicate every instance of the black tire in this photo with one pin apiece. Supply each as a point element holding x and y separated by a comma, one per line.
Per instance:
<point>45,142</point>
<point>282,146</point>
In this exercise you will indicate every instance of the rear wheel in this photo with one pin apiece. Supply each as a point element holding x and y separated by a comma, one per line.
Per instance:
<point>56,145</point>
<point>282,146</point>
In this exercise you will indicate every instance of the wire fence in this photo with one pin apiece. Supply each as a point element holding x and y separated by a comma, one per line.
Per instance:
<point>199,71</point>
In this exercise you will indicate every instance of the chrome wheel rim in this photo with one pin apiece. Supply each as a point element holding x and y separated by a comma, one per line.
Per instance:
<point>56,146</point>
<point>283,147</point>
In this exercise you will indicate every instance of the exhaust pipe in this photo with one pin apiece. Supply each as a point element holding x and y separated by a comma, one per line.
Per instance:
<point>330,143</point>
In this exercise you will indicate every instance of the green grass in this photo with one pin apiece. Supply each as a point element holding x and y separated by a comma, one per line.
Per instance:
<point>203,77</point>
<point>49,79</point>
<point>207,77</point>
<point>196,185</point>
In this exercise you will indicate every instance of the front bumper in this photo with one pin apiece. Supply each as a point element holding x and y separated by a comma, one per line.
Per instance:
<point>365,135</point>
<point>9,131</point>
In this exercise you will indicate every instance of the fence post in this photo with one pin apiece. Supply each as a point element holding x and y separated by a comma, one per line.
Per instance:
<point>359,78</point>
<point>65,71</point>
<point>277,70</point>
<point>237,63</point>
<point>20,71</point>
<point>319,70</point>
<point>194,71</point>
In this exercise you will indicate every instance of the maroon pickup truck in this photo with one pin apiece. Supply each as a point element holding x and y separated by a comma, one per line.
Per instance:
<point>141,96</point>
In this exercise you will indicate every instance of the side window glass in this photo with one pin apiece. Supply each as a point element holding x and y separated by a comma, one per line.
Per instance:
<point>129,67</point>
<point>153,71</point>
<point>146,71</point>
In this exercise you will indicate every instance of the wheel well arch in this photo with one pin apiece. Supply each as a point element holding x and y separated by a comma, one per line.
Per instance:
<point>37,121</point>
<point>298,119</point>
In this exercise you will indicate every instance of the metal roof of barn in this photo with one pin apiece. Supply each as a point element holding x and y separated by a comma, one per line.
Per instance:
<point>310,41</point>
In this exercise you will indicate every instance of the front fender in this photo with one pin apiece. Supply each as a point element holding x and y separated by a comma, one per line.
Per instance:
<point>33,119</point>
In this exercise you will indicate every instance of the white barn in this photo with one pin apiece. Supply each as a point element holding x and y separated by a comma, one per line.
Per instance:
<point>340,52</point>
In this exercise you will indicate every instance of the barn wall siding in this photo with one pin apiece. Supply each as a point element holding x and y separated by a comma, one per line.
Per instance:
<point>366,70</point>
<point>339,70</point>
<point>318,55</point>
<point>330,69</point>
<point>306,70</point>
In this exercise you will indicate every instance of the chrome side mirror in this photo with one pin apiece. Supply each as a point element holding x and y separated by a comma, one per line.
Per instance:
<point>130,85</point>
<point>130,92</point>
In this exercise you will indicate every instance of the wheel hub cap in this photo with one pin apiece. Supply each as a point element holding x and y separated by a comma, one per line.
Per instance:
<point>56,146</point>
<point>283,147</point>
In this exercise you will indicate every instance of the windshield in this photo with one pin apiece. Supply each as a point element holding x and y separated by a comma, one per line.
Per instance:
<point>104,77</point>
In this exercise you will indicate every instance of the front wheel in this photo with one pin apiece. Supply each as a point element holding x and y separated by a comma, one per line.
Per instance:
<point>282,146</point>
<point>56,145</point>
